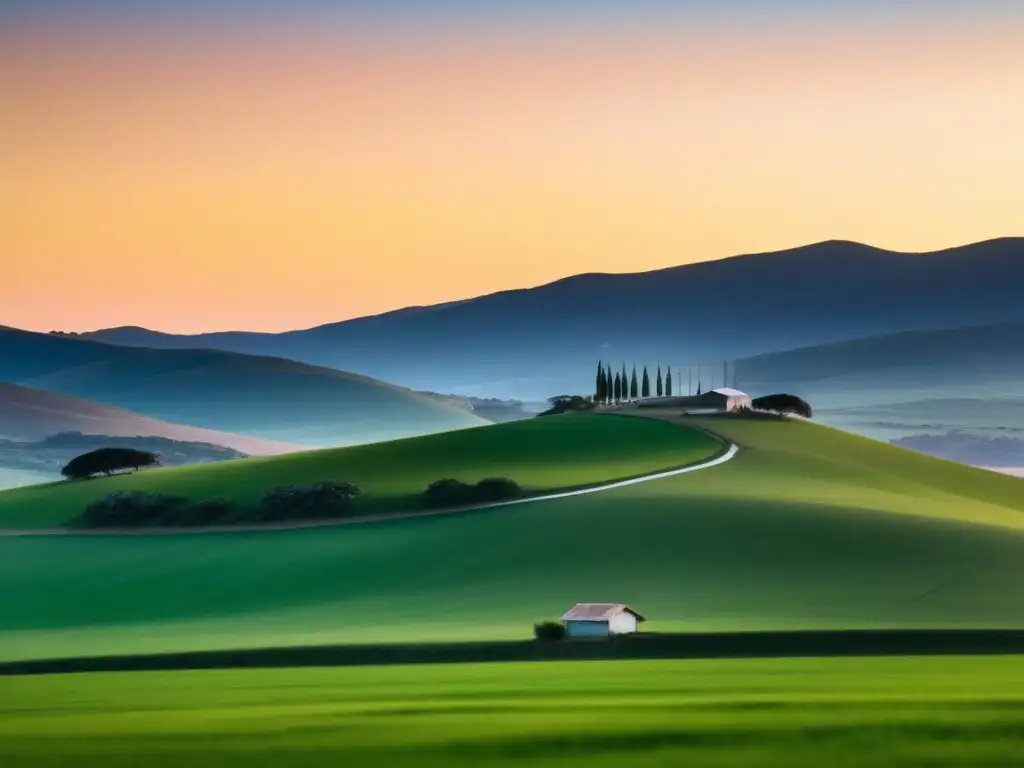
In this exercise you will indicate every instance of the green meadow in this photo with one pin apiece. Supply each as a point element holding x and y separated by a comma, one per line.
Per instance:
<point>540,454</point>
<point>808,527</point>
<point>783,713</point>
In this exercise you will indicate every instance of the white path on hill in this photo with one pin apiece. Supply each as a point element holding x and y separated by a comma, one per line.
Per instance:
<point>729,455</point>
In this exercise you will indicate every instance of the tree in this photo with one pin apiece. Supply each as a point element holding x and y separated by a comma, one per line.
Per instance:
<point>567,404</point>
<point>618,388</point>
<point>599,384</point>
<point>106,461</point>
<point>783,404</point>
<point>625,383</point>
<point>660,390</point>
<point>668,383</point>
<point>609,383</point>
<point>634,388</point>
<point>645,386</point>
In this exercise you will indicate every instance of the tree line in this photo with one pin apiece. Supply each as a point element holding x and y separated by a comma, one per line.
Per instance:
<point>618,387</point>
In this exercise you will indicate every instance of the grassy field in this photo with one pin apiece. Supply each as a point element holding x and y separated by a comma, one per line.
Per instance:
<point>540,454</point>
<point>808,528</point>
<point>792,713</point>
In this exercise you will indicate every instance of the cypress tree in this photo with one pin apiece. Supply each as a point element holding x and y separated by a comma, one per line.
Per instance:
<point>660,390</point>
<point>645,385</point>
<point>609,383</point>
<point>625,383</point>
<point>668,383</point>
<point>599,384</point>
<point>634,389</point>
<point>618,388</point>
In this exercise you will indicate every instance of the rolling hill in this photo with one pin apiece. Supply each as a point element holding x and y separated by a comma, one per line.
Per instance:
<point>809,527</point>
<point>264,397</point>
<point>29,415</point>
<point>537,342</point>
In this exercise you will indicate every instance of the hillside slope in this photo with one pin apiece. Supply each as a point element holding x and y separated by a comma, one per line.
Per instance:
<point>264,397</point>
<point>809,527</point>
<point>533,343</point>
<point>540,454</point>
<point>29,415</point>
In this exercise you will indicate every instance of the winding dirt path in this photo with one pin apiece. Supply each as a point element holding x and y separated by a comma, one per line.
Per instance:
<point>730,452</point>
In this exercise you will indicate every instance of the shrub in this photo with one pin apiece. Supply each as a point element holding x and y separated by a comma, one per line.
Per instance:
<point>568,404</point>
<point>549,630</point>
<point>323,500</point>
<point>448,492</point>
<point>455,493</point>
<point>130,509</point>
<point>497,489</point>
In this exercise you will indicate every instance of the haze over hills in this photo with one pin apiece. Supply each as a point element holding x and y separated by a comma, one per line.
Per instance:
<point>955,393</point>
<point>265,397</point>
<point>531,343</point>
<point>28,414</point>
<point>41,431</point>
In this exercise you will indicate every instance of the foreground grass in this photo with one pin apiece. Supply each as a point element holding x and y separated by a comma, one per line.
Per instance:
<point>539,454</point>
<point>792,712</point>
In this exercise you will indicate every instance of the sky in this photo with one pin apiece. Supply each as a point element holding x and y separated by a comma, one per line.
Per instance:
<point>195,166</point>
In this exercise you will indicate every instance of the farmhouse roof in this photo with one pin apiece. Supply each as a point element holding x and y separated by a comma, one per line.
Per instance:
<point>598,612</point>
<point>730,392</point>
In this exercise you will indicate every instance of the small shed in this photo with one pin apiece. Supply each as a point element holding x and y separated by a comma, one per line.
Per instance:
<point>600,620</point>
<point>728,398</point>
<point>713,401</point>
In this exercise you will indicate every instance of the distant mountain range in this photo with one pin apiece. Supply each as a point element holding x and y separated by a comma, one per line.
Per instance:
<point>978,361</point>
<point>271,398</point>
<point>533,343</point>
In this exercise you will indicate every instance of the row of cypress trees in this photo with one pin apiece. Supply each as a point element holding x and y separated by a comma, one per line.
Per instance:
<point>621,388</point>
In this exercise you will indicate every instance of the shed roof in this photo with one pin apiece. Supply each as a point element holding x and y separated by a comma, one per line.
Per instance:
<point>730,392</point>
<point>598,612</point>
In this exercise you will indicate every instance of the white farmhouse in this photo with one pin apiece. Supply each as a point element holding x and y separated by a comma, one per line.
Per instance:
<point>600,620</point>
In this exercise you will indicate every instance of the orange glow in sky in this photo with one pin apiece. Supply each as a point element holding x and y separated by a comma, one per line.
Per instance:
<point>253,182</point>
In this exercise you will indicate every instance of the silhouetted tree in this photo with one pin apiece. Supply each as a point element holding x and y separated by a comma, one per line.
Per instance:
<point>618,388</point>
<point>625,383</point>
<point>106,461</point>
<point>668,383</point>
<point>634,387</point>
<point>660,389</point>
<point>567,404</point>
<point>601,386</point>
<point>610,383</point>
<point>783,404</point>
<point>645,385</point>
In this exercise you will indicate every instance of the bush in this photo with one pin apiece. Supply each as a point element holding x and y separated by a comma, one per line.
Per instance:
<point>549,630</point>
<point>455,493</point>
<point>568,404</point>
<point>135,509</point>
<point>323,500</point>
<point>130,509</point>
<point>448,492</point>
<point>497,489</point>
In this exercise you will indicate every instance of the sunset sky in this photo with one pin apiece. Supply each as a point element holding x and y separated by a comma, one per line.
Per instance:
<point>206,166</point>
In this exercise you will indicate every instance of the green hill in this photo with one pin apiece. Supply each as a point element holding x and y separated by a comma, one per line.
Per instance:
<point>540,454</point>
<point>808,527</point>
<point>264,397</point>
